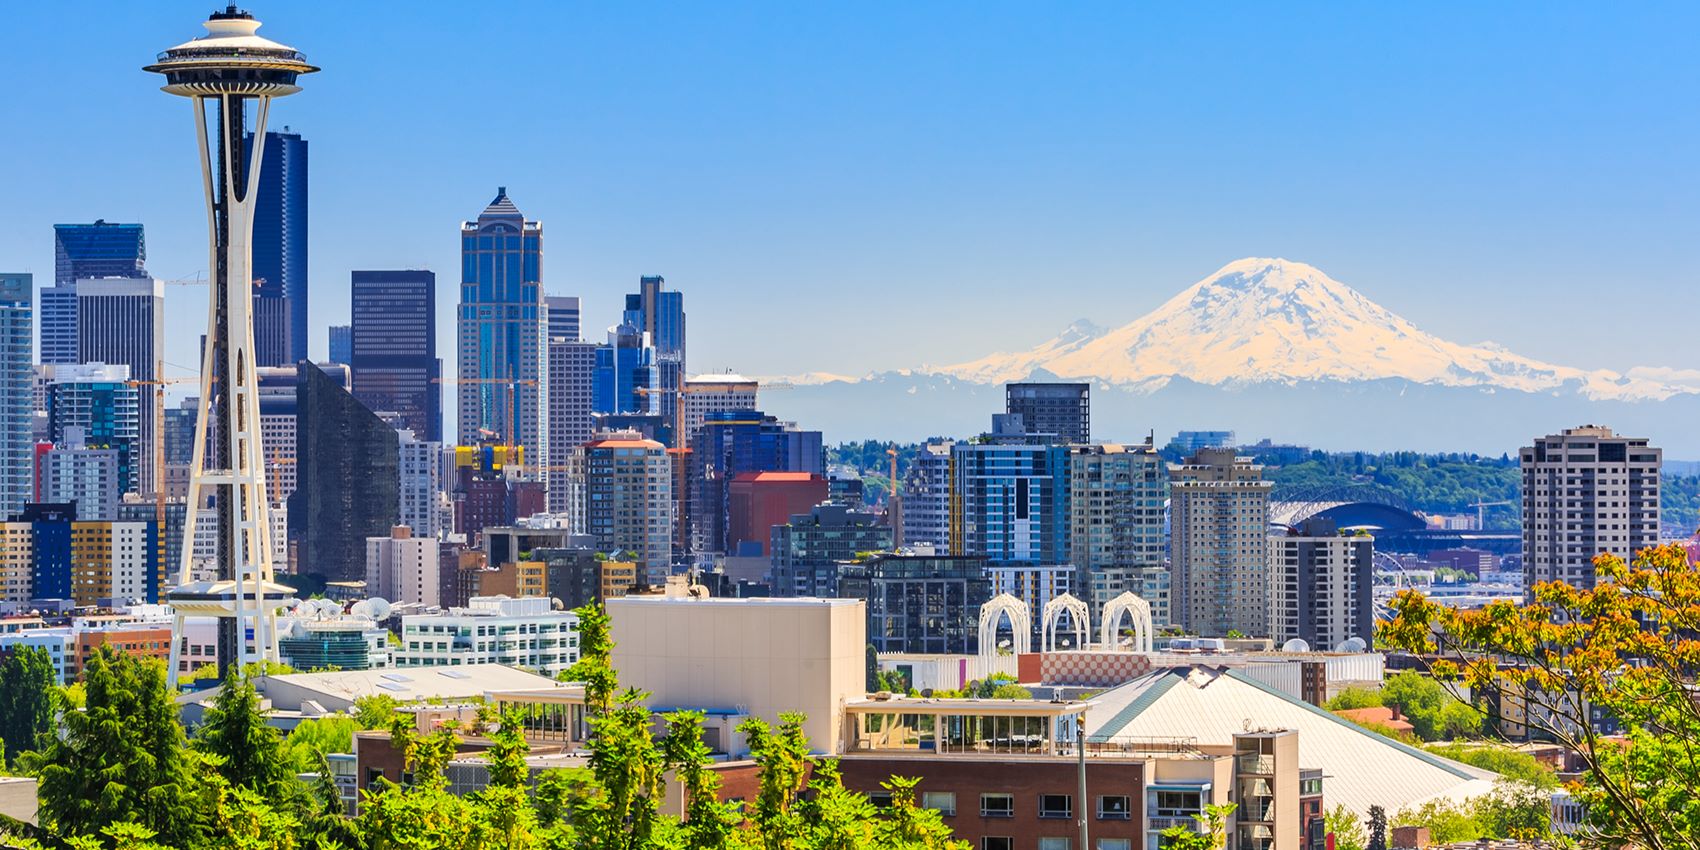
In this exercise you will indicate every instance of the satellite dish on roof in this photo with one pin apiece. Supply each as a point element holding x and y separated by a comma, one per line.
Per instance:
<point>1295,645</point>
<point>1353,644</point>
<point>376,608</point>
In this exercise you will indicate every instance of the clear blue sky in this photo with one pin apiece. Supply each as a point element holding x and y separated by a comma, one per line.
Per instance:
<point>864,186</point>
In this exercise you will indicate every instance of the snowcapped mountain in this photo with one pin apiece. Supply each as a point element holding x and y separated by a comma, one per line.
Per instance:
<point>1273,321</point>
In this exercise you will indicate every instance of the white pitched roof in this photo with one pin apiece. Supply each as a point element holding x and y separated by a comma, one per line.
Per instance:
<point>1360,768</point>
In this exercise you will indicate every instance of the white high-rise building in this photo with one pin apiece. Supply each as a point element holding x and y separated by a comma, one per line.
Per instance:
<point>421,474</point>
<point>524,632</point>
<point>403,568</point>
<point>571,367</point>
<point>1586,491</point>
<point>705,394</point>
<point>88,476</point>
<point>1219,544</point>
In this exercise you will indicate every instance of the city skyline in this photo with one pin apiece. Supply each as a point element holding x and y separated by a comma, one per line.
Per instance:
<point>1464,171</point>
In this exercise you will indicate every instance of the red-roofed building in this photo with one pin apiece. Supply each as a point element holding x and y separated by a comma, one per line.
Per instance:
<point>758,501</point>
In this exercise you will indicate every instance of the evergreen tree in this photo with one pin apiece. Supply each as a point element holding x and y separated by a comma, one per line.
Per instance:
<point>123,759</point>
<point>27,680</point>
<point>244,749</point>
<point>1377,828</point>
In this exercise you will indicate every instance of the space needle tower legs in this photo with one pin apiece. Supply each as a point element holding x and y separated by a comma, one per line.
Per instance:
<point>228,74</point>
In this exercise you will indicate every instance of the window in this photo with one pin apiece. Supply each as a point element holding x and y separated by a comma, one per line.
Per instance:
<point>943,801</point>
<point>1055,806</point>
<point>997,805</point>
<point>1115,844</point>
<point>997,842</point>
<point>1114,808</point>
<point>882,799</point>
<point>1055,844</point>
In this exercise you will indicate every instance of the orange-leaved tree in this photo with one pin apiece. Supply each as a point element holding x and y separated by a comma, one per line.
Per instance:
<point>1628,648</point>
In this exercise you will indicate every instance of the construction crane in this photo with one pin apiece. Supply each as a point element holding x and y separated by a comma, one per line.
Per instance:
<point>1481,512</point>
<point>159,436</point>
<point>513,428</point>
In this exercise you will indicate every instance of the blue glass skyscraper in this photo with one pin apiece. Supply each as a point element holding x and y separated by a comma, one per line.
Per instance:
<point>101,249</point>
<point>730,443</point>
<point>501,325</point>
<point>625,379</point>
<point>17,385</point>
<point>280,251</point>
<point>661,314</point>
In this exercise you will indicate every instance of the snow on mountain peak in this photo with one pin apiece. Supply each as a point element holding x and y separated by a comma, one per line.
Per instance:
<point>1271,320</point>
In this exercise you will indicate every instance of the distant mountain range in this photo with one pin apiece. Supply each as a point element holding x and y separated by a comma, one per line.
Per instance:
<point>1270,347</point>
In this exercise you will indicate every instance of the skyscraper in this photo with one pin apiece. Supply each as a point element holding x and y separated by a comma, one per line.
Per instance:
<point>121,321</point>
<point>1586,491</point>
<point>926,496</point>
<point>705,394</point>
<point>731,443</point>
<point>395,347</point>
<point>1052,408</point>
<point>571,367</point>
<point>627,378</point>
<point>1219,543</point>
<point>280,250</point>
<point>348,481</point>
<point>17,390</point>
<point>661,314</point>
<point>502,349</point>
<point>1009,497</point>
<point>99,250</point>
<point>341,341</point>
<point>1116,496</point>
<point>807,550</point>
<point>629,499</point>
<point>564,318</point>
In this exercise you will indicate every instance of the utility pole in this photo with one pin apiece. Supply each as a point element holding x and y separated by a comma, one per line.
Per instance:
<point>1080,756</point>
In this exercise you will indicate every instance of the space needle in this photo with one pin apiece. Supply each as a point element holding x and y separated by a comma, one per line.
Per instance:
<point>230,75</point>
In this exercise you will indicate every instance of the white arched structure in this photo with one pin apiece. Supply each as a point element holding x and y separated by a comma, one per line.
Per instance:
<point>1078,614</point>
<point>1020,625</point>
<point>1137,609</point>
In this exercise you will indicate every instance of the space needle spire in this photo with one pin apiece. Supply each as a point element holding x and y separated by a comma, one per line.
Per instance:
<point>230,75</point>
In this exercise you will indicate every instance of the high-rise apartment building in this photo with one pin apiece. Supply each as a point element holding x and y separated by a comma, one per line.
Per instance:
<point>572,366</point>
<point>1320,586</point>
<point>926,604</point>
<point>729,444</point>
<point>99,250</point>
<point>502,320</point>
<point>1052,408</point>
<point>394,340</point>
<point>97,402</point>
<point>279,415</point>
<point>628,484</point>
<point>926,496</point>
<point>808,550</point>
<point>116,563</point>
<point>1219,544</point>
<point>1116,496</point>
<point>564,317</point>
<point>17,390</point>
<point>122,321</point>
<point>1586,491</point>
<point>660,314</point>
<point>403,567</point>
<point>280,250</point>
<point>72,472</point>
<point>341,341</point>
<point>348,482</point>
<point>1009,497</point>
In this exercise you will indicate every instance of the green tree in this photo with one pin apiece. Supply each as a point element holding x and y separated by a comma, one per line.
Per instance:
<point>375,711</point>
<point>1210,834</point>
<point>27,680</point>
<point>1501,760</point>
<point>1433,711</point>
<point>1377,828</point>
<point>907,826</point>
<point>122,759</point>
<point>316,737</point>
<point>709,823</point>
<point>244,748</point>
<point>1447,822</point>
<point>1355,697</point>
<point>783,758</point>
<point>1347,830</point>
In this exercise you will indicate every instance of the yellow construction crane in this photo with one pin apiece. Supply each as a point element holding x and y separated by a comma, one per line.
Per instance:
<point>510,437</point>
<point>159,435</point>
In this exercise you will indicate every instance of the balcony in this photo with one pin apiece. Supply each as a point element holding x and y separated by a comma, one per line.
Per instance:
<point>1257,765</point>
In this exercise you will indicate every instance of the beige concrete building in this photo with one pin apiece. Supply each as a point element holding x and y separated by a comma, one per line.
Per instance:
<point>1218,524</point>
<point>1586,491</point>
<point>404,568</point>
<point>744,657</point>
